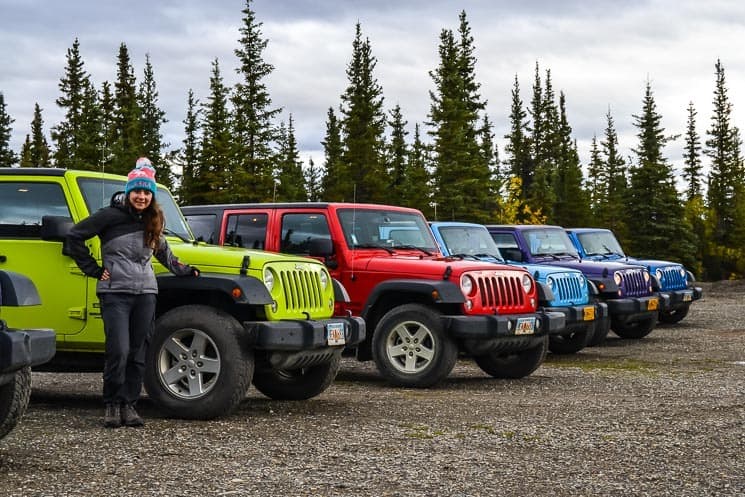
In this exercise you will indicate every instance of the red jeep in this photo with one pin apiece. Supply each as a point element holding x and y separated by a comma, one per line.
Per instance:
<point>423,308</point>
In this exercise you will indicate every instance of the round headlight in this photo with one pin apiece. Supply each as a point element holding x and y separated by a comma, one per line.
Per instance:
<point>527,283</point>
<point>617,278</point>
<point>324,279</point>
<point>550,282</point>
<point>658,273</point>
<point>682,272</point>
<point>466,285</point>
<point>582,280</point>
<point>646,276</point>
<point>268,279</point>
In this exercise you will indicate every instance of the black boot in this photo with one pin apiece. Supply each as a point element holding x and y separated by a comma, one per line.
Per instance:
<point>112,417</point>
<point>130,416</point>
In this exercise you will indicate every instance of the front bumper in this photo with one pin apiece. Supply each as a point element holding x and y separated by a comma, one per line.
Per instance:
<point>21,348</point>
<point>303,335</point>
<point>582,316</point>
<point>677,299</point>
<point>489,326</point>
<point>633,308</point>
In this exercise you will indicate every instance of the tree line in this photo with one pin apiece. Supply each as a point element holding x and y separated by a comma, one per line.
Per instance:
<point>237,149</point>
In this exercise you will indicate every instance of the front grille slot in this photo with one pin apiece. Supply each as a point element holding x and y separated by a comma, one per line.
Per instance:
<point>568,288</point>
<point>672,279</point>
<point>302,290</point>
<point>633,284</point>
<point>502,292</point>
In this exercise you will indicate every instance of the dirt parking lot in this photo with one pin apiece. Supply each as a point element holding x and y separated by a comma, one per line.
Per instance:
<point>661,416</point>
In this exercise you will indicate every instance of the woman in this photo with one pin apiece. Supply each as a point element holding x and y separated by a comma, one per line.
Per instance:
<point>131,232</point>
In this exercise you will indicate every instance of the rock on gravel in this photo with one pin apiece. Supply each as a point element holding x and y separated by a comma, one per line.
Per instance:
<point>660,416</point>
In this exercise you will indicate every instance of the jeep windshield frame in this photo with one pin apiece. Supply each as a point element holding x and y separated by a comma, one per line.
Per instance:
<point>470,241</point>
<point>97,194</point>
<point>549,242</point>
<point>386,229</point>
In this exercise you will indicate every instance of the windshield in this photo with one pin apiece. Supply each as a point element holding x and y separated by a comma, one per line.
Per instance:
<point>97,194</point>
<point>549,241</point>
<point>599,243</point>
<point>381,228</point>
<point>469,240</point>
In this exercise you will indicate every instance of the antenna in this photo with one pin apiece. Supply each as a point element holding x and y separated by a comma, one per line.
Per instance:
<point>354,224</point>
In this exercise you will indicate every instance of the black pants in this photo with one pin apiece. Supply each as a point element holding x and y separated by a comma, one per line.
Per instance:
<point>128,323</point>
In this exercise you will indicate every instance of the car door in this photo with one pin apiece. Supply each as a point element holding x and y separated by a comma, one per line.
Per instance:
<point>62,286</point>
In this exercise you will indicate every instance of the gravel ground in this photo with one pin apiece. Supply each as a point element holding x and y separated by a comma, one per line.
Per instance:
<point>661,416</point>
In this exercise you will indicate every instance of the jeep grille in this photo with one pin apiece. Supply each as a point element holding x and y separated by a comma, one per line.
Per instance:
<point>302,290</point>
<point>502,292</point>
<point>633,283</point>
<point>672,279</point>
<point>568,290</point>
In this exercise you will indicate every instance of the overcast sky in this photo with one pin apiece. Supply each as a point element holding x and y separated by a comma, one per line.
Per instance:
<point>600,53</point>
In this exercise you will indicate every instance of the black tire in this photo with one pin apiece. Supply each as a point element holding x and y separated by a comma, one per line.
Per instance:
<point>513,365</point>
<point>602,328</point>
<point>634,329</point>
<point>410,347</point>
<point>674,316</point>
<point>570,343</point>
<point>297,384</point>
<point>14,397</point>
<point>196,367</point>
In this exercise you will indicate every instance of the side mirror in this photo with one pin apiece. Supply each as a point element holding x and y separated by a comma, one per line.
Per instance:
<point>320,247</point>
<point>55,228</point>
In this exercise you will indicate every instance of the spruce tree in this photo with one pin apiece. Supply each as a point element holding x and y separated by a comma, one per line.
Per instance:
<point>363,126</point>
<point>107,108</point>
<point>127,144</point>
<point>37,154</point>
<point>68,134</point>
<point>90,142</point>
<point>151,121</point>
<point>653,204</point>
<point>188,156</point>
<point>336,180</point>
<point>397,156</point>
<point>614,185</point>
<point>462,178</point>
<point>416,186</point>
<point>572,206</point>
<point>213,182</point>
<point>546,146</point>
<point>518,148</point>
<point>252,129</point>
<point>694,207</point>
<point>25,156</point>
<point>725,178</point>
<point>289,183</point>
<point>595,176</point>
<point>313,182</point>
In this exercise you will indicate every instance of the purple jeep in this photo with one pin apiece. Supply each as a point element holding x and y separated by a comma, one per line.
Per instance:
<point>626,288</point>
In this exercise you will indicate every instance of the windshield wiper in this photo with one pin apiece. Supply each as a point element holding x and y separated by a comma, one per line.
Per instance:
<point>372,245</point>
<point>412,247</point>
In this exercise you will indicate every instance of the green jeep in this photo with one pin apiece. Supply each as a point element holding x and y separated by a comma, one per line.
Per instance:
<point>251,316</point>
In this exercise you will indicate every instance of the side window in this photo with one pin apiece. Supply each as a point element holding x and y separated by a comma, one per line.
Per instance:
<point>299,229</point>
<point>246,230</point>
<point>23,204</point>
<point>508,246</point>
<point>202,225</point>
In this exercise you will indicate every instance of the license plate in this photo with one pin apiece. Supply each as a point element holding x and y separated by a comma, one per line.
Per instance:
<point>525,326</point>
<point>588,313</point>
<point>653,304</point>
<point>687,297</point>
<point>335,333</point>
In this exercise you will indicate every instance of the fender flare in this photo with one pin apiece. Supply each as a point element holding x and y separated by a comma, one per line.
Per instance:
<point>439,291</point>
<point>252,291</point>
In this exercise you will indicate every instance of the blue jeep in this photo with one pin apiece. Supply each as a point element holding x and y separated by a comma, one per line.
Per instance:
<point>568,290</point>
<point>673,282</point>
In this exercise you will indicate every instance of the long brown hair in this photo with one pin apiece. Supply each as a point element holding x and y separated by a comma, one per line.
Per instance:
<point>154,221</point>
